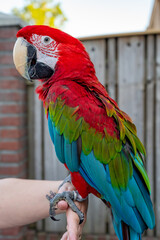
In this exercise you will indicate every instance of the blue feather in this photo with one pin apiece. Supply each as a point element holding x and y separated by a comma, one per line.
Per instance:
<point>71,155</point>
<point>128,198</point>
<point>86,177</point>
<point>146,197</point>
<point>107,173</point>
<point>117,225</point>
<point>50,127</point>
<point>140,220</point>
<point>59,145</point>
<point>97,173</point>
<point>140,202</point>
<point>133,235</point>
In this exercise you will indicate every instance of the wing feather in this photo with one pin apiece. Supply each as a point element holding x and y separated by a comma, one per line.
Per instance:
<point>110,162</point>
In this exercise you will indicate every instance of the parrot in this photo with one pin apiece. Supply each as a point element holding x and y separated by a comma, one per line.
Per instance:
<point>93,138</point>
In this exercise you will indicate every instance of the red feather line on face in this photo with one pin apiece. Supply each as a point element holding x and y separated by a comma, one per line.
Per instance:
<point>49,49</point>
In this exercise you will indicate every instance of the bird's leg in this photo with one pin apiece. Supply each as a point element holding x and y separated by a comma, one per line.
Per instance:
<point>67,179</point>
<point>69,197</point>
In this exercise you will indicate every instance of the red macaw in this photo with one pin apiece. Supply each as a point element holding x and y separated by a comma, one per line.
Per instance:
<point>93,138</point>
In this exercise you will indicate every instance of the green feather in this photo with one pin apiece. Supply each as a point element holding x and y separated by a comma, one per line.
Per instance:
<point>121,127</point>
<point>97,146</point>
<point>72,126</point>
<point>114,181</point>
<point>105,152</point>
<point>57,116</point>
<point>127,167</point>
<point>139,145</point>
<point>66,132</point>
<point>107,136</point>
<point>86,147</point>
<point>119,168</point>
<point>118,145</point>
<point>61,124</point>
<point>143,173</point>
<point>131,139</point>
<point>78,129</point>
<point>112,150</point>
<point>131,127</point>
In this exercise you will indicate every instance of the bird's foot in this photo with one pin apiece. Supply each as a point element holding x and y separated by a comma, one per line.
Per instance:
<point>69,197</point>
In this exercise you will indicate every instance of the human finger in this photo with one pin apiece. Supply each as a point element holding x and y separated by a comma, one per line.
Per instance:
<point>64,236</point>
<point>62,205</point>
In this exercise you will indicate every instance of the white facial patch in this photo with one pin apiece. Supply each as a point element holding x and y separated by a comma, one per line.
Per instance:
<point>46,50</point>
<point>48,60</point>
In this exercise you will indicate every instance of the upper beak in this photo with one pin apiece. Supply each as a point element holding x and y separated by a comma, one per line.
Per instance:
<point>20,57</point>
<point>26,62</point>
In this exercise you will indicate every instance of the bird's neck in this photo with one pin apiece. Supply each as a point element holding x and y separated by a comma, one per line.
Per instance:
<point>79,69</point>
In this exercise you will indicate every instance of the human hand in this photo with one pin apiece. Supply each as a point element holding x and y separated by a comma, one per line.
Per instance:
<point>74,229</point>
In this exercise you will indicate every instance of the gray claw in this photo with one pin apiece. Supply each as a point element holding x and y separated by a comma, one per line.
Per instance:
<point>52,214</point>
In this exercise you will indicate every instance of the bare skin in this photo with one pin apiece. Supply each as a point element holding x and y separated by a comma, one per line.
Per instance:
<point>24,201</point>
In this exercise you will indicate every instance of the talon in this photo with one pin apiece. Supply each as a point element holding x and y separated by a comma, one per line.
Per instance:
<point>52,194</point>
<point>54,219</point>
<point>52,213</point>
<point>69,197</point>
<point>48,197</point>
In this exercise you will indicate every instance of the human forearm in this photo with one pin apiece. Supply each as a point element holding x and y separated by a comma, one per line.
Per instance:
<point>24,201</point>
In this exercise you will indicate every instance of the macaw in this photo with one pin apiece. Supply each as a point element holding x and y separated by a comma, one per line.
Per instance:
<point>95,140</point>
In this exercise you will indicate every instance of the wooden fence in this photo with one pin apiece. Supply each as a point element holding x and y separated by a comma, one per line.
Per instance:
<point>129,66</point>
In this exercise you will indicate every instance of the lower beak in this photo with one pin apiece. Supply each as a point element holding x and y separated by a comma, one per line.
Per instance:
<point>26,62</point>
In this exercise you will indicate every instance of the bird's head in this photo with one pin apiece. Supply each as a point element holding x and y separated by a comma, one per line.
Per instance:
<point>42,52</point>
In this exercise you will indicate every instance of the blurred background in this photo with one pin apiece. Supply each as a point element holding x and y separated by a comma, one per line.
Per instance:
<point>123,41</point>
<point>84,18</point>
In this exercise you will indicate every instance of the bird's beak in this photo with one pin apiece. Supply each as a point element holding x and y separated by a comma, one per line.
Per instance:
<point>26,62</point>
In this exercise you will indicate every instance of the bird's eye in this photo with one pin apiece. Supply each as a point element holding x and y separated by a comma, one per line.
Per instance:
<point>46,40</point>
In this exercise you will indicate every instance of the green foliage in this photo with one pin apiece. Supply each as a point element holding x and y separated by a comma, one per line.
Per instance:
<point>41,12</point>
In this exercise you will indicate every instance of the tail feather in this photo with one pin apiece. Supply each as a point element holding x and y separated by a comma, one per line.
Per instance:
<point>133,235</point>
<point>123,231</point>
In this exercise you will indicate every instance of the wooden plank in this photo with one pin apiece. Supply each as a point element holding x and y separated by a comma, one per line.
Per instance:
<point>131,80</point>
<point>97,53</point>
<point>150,115</point>
<point>38,135</point>
<point>112,68</point>
<point>38,142</point>
<point>111,87</point>
<point>53,170</point>
<point>96,216</point>
<point>120,35</point>
<point>30,121</point>
<point>157,140</point>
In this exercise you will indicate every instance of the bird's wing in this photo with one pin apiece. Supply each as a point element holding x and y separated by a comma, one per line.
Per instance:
<point>109,160</point>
